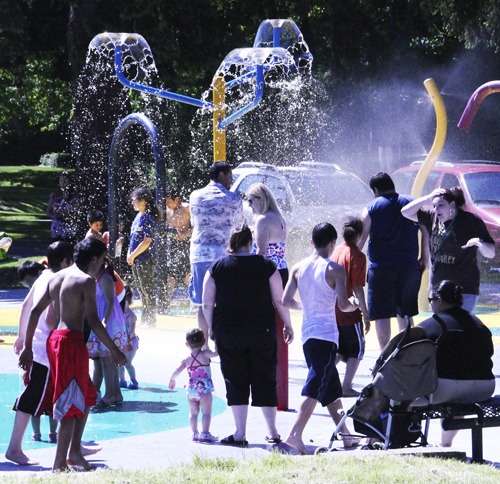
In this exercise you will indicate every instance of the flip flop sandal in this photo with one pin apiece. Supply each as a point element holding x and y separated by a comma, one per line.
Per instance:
<point>273,440</point>
<point>230,440</point>
<point>102,404</point>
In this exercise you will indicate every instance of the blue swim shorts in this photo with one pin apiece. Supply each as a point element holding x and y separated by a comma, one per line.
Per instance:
<point>323,382</point>
<point>195,288</point>
<point>393,291</point>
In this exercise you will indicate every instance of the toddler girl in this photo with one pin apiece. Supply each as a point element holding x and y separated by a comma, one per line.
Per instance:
<point>199,387</point>
<point>133,339</point>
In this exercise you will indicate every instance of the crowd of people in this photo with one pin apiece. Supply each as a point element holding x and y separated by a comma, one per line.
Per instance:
<point>242,290</point>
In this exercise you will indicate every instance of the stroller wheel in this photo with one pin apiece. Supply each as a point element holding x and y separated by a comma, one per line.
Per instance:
<point>321,450</point>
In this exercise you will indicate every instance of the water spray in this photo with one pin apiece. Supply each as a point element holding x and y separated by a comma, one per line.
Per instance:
<point>278,44</point>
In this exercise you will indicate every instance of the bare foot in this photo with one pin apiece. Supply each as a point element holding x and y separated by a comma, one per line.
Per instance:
<point>20,458</point>
<point>90,450</point>
<point>350,392</point>
<point>58,470</point>
<point>298,445</point>
<point>350,441</point>
<point>441,444</point>
<point>77,460</point>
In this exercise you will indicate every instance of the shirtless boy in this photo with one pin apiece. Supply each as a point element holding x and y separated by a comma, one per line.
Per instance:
<point>36,398</point>
<point>179,231</point>
<point>73,294</point>
<point>95,219</point>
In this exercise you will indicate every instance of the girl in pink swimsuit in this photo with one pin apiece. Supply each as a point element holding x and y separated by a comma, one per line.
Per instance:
<point>200,386</point>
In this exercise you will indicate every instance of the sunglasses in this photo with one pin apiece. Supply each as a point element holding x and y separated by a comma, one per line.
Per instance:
<point>251,199</point>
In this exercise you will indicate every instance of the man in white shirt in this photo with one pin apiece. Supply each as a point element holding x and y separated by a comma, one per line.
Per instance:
<point>215,213</point>
<point>320,283</point>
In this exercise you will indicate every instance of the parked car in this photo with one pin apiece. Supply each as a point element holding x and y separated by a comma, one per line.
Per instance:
<point>478,179</point>
<point>307,194</point>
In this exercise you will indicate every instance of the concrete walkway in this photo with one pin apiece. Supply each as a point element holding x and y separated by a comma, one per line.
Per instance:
<point>161,350</point>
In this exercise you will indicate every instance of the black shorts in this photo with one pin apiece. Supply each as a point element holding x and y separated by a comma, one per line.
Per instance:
<point>351,342</point>
<point>323,382</point>
<point>36,398</point>
<point>250,369</point>
<point>393,291</point>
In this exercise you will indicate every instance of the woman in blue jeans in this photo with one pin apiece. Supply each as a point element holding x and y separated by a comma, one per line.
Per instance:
<point>141,255</point>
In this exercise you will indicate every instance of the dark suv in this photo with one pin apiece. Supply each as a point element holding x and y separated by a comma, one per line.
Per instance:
<point>479,180</point>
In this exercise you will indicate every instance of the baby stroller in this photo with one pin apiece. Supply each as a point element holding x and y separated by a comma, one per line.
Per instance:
<point>405,371</point>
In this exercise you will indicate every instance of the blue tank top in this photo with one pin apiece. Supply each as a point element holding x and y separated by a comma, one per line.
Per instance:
<point>393,238</point>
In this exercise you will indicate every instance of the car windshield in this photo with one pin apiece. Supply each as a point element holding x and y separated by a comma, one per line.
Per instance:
<point>327,188</point>
<point>484,187</point>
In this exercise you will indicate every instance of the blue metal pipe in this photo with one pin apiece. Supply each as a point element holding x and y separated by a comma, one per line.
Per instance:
<point>276,36</point>
<point>160,189</point>
<point>259,93</point>
<point>238,80</point>
<point>161,174</point>
<point>153,90</point>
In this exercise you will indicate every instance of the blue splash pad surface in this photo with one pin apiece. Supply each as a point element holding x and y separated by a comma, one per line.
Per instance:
<point>152,408</point>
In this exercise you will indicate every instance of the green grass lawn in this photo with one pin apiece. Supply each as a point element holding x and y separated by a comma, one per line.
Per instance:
<point>24,193</point>
<point>280,469</point>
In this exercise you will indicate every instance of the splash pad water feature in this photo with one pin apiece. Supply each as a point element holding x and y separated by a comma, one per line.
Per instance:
<point>475,101</point>
<point>133,61</point>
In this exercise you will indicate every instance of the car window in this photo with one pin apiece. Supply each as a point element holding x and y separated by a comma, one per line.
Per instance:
<point>345,189</point>
<point>306,189</point>
<point>449,181</point>
<point>279,191</point>
<point>431,182</point>
<point>404,182</point>
<point>273,183</point>
<point>484,187</point>
<point>323,188</point>
<point>246,182</point>
<point>236,177</point>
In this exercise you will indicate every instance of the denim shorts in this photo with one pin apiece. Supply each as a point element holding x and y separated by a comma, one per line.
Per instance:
<point>195,288</point>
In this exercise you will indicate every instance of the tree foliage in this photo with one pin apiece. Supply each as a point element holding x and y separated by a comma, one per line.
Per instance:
<point>356,43</point>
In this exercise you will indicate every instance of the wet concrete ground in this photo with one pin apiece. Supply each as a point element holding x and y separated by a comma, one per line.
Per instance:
<point>161,350</point>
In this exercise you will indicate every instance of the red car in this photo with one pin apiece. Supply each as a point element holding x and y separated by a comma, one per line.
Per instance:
<point>479,180</point>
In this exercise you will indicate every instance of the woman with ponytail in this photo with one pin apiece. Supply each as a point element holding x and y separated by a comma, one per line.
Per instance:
<point>240,295</point>
<point>464,364</point>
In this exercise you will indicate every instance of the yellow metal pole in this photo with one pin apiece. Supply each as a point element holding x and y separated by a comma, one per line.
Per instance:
<point>437,146</point>
<point>425,169</point>
<point>219,103</point>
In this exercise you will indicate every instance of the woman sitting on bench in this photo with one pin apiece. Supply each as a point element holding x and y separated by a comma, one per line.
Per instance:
<point>464,364</point>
